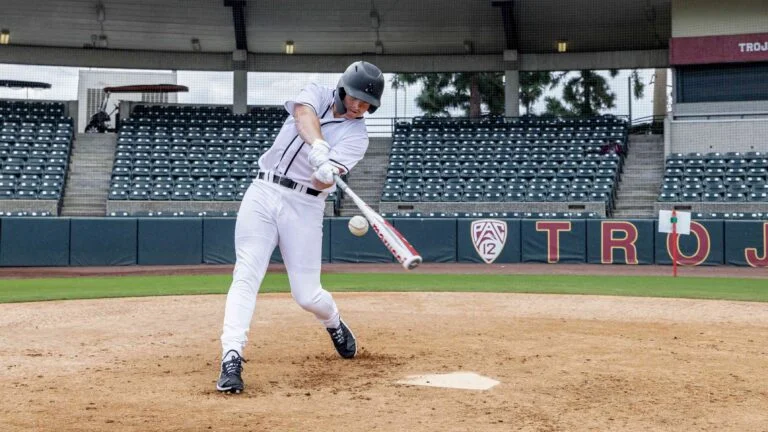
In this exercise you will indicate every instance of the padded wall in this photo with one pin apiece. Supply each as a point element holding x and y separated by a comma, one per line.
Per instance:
<point>346,247</point>
<point>103,241</point>
<point>704,246</point>
<point>170,241</point>
<point>434,239</point>
<point>746,243</point>
<point>34,242</point>
<point>488,240</point>
<point>620,241</point>
<point>554,240</point>
<point>219,240</point>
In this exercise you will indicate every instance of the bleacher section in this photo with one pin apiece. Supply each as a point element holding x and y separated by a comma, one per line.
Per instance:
<point>189,159</point>
<point>232,214</point>
<point>716,182</point>
<point>498,164</point>
<point>567,215</point>
<point>504,215</point>
<point>35,143</point>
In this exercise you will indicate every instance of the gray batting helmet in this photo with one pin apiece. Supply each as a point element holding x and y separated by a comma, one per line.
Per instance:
<point>363,81</point>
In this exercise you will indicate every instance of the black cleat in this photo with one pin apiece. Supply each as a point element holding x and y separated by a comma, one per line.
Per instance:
<point>230,380</point>
<point>344,341</point>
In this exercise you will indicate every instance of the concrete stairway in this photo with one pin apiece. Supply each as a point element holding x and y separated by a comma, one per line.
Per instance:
<point>641,179</point>
<point>90,169</point>
<point>367,178</point>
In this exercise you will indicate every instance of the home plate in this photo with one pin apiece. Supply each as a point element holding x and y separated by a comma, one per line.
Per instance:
<point>456,380</point>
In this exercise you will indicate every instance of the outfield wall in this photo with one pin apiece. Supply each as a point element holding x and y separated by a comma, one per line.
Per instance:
<point>190,241</point>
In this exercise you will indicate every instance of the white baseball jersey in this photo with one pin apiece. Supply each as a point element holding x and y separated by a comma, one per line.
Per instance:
<point>271,215</point>
<point>288,155</point>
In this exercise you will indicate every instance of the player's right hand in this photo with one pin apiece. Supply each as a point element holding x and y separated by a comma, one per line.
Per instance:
<point>318,154</point>
<point>324,174</point>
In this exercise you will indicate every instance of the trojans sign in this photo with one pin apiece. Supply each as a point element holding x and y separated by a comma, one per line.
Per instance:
<point>488,237</point>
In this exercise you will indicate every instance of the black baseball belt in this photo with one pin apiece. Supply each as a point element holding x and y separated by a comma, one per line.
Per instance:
<point>286,182</point>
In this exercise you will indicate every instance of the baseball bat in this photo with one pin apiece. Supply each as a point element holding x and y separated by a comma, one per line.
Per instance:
<point>405,254</point>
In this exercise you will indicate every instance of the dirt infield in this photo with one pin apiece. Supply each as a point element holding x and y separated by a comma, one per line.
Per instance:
<point>566,363</point>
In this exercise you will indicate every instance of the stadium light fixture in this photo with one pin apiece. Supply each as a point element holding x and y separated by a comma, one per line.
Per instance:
<point>289,47</point>
<point>562,46</point>
<point>5,37</point>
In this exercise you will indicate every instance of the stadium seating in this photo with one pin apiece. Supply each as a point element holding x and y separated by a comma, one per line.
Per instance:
<point>497,215</point>
<point>731,216</point>
<point>527,159</point>
<point>731,177</point>
<point>35,144</point>
<point>191,153</point>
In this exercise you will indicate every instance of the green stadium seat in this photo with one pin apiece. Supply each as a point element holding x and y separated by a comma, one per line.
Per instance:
<point>690,196</point>
<point>472,196</point>
<point>557,197</point>
<point>389,188</point>
<point>578,196</point>
<point>734,197</point>
<point>49,195</point>
<point>535,197</point>
<point>390,196</point>
<point>451,196</point>
<point>669,197</point>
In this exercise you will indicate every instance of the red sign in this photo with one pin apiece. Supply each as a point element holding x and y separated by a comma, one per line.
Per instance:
<point>719,49</point>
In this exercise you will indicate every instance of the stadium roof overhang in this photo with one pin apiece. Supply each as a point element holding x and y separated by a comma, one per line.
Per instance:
<point>423,35</point>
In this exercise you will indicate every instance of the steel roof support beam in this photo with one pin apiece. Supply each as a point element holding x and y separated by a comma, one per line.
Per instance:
<point>238,22</point>
<point>507,8</point>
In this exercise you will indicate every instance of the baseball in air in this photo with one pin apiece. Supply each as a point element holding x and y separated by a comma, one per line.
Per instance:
<point>358,226</point>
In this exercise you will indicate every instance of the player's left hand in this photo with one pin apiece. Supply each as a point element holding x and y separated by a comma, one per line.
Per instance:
<point>324,173</point>
<point>318,154</point>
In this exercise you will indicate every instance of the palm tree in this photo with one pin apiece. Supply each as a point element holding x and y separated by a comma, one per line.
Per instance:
<point>474,93</point>
<point>587,93</point>
<point>471,92</point>
<point>532,86</point>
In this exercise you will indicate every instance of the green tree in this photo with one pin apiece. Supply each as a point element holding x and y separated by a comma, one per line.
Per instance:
<point>586,93</point>
<point>475,93</point>
<point>532,86</point>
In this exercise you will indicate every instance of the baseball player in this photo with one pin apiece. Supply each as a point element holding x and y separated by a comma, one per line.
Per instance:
<point>325,134</point>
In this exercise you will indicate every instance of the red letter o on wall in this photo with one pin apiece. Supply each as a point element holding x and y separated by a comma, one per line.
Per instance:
<point>703,245</point>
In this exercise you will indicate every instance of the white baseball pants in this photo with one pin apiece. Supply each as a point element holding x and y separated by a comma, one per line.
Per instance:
<point>273,215</point>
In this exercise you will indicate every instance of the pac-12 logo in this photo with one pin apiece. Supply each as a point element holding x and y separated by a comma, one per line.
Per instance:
<point>489,237</point>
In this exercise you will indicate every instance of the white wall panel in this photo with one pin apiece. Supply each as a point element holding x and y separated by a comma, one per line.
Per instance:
<point>718,17</point>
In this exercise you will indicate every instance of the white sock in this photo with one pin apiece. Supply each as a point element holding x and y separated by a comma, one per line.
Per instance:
<point>334,322</point>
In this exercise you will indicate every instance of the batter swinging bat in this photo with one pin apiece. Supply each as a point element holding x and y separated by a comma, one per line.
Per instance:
<point>392,239</point>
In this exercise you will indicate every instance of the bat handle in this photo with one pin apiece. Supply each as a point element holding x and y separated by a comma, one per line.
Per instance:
<point>339,182</point>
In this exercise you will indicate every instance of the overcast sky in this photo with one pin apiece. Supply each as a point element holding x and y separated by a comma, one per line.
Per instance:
<point>273,88</point>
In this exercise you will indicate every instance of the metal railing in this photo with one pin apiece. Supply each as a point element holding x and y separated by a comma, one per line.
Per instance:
<point>736,115</point>
<point>381,126</point>
<point>652,125</point>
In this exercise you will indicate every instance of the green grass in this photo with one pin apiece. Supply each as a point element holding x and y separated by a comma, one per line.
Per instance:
<point>19,290</point>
